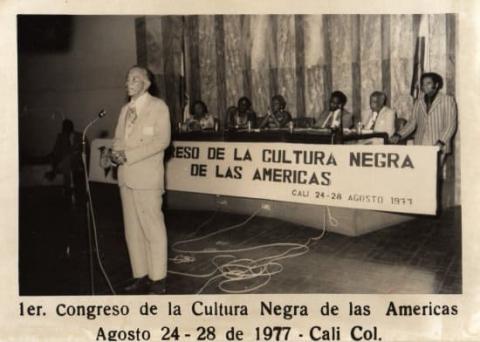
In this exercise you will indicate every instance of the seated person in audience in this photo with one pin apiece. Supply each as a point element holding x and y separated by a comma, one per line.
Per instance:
<point>278,117</point>
<point>382,117</point>
<point>337,116</point>
<point>67,159</point>
<point>239,117</point>
<point>201,119</point>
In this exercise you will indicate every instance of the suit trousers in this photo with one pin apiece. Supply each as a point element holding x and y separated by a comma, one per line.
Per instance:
<point>145,232</point>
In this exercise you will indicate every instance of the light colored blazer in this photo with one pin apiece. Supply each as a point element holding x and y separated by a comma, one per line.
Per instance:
<point>145,145</point>
<point>439,124</point>
<point>385,121</point>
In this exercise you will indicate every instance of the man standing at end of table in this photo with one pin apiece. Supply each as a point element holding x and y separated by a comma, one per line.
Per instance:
<point>141,137</point>
<point>434,117</point>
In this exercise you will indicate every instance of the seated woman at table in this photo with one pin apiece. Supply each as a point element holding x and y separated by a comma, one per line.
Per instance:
<point>201,119</point>
<point>239,117</point>
<point>278,117</point>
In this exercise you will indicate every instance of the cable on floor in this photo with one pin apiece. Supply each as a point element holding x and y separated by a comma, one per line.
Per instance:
<point>229,269</point>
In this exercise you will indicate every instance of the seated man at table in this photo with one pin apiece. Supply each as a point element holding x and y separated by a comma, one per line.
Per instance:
<point>201,119</point>
<point>277,117</point>
<point>239,117</point>
<point>382,117</point>
<point>337,116</point>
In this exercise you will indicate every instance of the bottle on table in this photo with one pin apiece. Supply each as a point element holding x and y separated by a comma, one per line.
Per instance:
<point>359,128</point>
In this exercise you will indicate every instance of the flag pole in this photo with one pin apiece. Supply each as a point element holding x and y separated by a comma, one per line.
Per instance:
<point>184,74</point>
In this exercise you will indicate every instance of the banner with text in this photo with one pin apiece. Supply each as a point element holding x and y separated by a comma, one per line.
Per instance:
<point>378,177</point>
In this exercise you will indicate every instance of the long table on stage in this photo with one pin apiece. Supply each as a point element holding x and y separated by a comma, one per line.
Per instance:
<point>350,221</point>
<point>304,136</point>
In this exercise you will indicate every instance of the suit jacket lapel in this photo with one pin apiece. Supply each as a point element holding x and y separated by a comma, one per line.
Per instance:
<point>125,122</point>
<point>436,101</point>
<point>330,120</point>
<point>380,115</point>
<point>423,105</point>
<point>326,120</point>
<point>369,118</point>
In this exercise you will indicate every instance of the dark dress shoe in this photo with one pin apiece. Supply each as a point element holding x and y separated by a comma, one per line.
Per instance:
<point>158,287</point>
<point>139,286</point>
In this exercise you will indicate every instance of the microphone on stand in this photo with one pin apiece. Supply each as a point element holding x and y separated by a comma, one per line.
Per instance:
<point>102,113</point>
<point>91,223</point>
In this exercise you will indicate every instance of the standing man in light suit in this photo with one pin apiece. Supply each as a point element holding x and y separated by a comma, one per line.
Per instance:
<point>141,137</point>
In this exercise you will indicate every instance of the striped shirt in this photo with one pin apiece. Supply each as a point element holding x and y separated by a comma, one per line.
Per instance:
<point>438,125</point>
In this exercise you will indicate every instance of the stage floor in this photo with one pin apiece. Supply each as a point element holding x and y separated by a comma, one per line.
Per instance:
<point>419,256</point>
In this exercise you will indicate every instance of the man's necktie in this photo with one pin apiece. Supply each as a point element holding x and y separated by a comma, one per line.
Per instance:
<point>132,114</point>
<point>131,118</point>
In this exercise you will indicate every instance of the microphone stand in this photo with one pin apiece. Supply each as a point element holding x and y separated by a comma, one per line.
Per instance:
<point>90,214</point>
<point>88,208</point>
